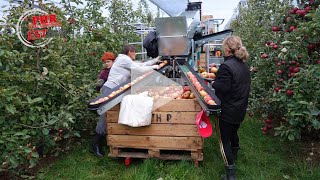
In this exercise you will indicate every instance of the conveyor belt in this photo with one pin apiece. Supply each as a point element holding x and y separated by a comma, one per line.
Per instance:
<point>116,99</point>
<point>185,68</point>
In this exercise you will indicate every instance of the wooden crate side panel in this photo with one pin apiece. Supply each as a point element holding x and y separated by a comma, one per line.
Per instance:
<point>175,130</point>
<point>156,142</point>
<point>175,105</point>
<point>161,117</point>
<point>181,105</point>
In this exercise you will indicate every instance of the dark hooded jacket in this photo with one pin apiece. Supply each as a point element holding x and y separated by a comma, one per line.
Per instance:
<point>232,86</point>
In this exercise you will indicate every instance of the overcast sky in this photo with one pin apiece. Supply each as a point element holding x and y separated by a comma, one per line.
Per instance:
<point>220,9</point>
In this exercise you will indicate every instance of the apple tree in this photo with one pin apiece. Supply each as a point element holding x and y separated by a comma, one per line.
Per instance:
<point>285,86</point>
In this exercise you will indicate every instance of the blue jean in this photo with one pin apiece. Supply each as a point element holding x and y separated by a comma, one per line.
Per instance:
<point>101,124</point>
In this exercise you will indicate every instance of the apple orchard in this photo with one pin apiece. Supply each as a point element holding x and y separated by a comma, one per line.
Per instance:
<point>285,89</point>
<point>44,91</point>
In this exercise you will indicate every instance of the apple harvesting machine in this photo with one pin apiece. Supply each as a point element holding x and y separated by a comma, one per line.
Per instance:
<point>180,36</point>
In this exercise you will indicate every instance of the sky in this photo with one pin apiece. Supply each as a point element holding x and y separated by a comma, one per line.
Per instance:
<point>220,9</point>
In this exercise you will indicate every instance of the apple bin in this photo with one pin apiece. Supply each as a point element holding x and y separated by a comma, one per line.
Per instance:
<point>172,135</point>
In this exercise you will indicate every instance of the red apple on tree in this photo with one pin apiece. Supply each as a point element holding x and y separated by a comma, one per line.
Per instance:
<point>296,69</point>
<point>268,121</point>
<point>264,130</point>
<point>292,28</point>
<point>310,47</point>
<point>288,19</point>
<point>289,92</point>
<point>275,47</point>
<point>264,55</point>
<point>275,28</point>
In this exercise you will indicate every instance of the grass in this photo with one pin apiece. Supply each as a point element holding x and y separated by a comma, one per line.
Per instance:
<point>260,158</point>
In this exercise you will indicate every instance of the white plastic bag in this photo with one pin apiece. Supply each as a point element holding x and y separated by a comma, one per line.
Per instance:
<point>136,110</point>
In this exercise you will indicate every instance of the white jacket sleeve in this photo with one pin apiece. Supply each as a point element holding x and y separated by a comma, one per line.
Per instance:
<point>128,64</point>
<point>140,67</point>
<point>151,62</point>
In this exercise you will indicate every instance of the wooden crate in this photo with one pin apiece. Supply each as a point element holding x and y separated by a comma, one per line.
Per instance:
<point>172,135</point>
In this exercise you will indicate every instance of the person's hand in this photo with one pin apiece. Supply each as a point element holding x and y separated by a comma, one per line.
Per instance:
<point>157,59</point>
<point>155,67</point>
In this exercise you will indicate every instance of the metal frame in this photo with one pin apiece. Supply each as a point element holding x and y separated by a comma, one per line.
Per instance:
<point>207,57</point>
<point>141,31</point>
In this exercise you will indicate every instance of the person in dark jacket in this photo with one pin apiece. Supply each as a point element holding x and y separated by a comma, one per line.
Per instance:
<point>108,59</point>
<point>232,86</point>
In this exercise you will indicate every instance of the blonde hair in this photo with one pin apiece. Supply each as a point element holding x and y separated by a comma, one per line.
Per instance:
<point>234,44</point>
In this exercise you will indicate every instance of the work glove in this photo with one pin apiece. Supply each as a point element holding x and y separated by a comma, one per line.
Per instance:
<point>155,60</point>
<point>155,67</point>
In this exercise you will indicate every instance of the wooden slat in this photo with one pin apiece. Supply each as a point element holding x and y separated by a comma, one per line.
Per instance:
<point>159,154</point>
<point>175,105</point>
<point>158,142</point>
<point>154,130</point>
<point>114,151</point>
<point>162,157</point>
<point>161,117</point>
<point>154,152</point>
<point>181,105</point>
<point>197,155</point>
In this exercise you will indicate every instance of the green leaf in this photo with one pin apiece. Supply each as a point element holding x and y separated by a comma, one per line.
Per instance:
<point>13,161</point>
<point>315,112</point>
<point>291,137</point>
<point>52,121</point>
<point>20,134</point>
<point>24,48</point>
<point>27,150</point>
<point>46,57</point>
<point>35,154</point>
<point>32,162</point>
<point>10,108</point>
<point>11,92</point>
<point>316,124</point>
<point>304,102</point>
<point>38,99</point>
<point>45,131</point>
<point>77,134</point>
<point>67,135</point>
<point>277,133</point>
<point>286,42</point>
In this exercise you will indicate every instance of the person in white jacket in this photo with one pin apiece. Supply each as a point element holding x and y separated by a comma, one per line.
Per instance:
<point>120,72</point>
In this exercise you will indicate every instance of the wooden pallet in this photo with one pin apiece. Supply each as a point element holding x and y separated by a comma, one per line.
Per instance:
<point>162,154</point>
<point>172,135</point>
